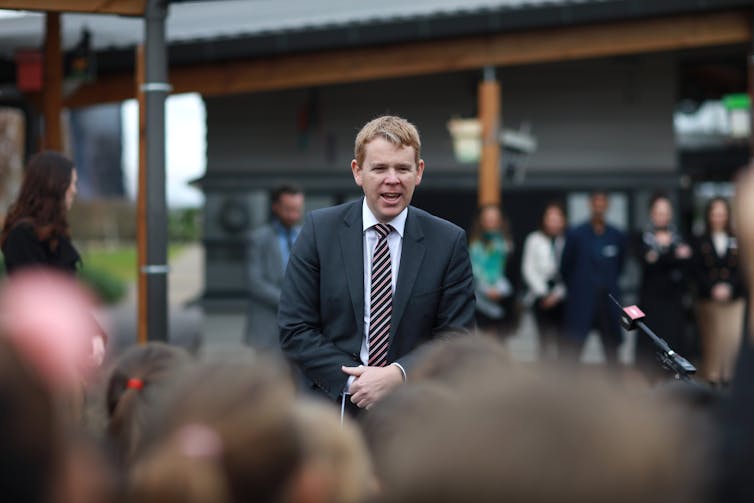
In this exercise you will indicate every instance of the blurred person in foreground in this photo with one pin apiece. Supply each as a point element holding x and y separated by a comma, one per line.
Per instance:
<point>31,433</point>
<point>47,315</point>
<point>371,280</point>
<point>540,267</point>
<point>719,290</point>
<point>36,231</point>
<point>223,433</point>
<point>269,249</point>
<point>44,457</point>
<point>230,431</point>
<point>665,258</point>
<point>592,261</point>
<point>489,250</point>
<point>135,386</point>
<point>736,455</point>
<point>528,435</point>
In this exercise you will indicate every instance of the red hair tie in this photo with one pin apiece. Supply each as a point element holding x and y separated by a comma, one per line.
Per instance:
<point>135,383</point>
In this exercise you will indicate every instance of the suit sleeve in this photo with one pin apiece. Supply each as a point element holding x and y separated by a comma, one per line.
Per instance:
<point>260,288</point>
<point>455,313</point>
<point>568,255</point>
<point>300,322</point>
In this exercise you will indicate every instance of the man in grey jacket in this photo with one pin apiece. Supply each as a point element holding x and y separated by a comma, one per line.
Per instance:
<point>268,252</point>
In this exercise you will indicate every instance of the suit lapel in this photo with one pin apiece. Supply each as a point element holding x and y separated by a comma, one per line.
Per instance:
<point>352,250</point>
<point>412,255</point>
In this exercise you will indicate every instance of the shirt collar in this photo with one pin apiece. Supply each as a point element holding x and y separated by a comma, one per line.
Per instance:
<point>369,220</point>
<point>282,229</point>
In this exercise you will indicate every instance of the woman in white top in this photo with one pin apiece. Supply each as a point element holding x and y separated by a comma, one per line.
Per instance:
<point>540,267</point>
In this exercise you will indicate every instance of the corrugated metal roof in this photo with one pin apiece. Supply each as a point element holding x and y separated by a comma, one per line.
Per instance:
<point>195,20</point>
<point>244,28</point>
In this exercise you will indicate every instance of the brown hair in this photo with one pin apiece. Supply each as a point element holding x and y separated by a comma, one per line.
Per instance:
<point>551,205</point>
<point>225,434</point>
<point>133,388</point>
<point>394,129</point>
<point>708,211</point>
<point>30,430</point>
<point>476,228</point>
<point>539,435</point>
<point>336,466</point>
<point>41,199</point>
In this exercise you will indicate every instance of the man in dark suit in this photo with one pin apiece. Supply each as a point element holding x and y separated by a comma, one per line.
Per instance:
<point>590,265</point>
<point>371,280</point>
<point>268,251</point>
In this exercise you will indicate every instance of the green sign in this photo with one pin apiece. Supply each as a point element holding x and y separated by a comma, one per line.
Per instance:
<point>739,101</point>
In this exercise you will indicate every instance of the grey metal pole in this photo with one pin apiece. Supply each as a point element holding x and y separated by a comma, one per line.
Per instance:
<point>156,89</point>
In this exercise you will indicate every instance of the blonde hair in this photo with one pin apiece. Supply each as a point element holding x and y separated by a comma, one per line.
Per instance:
<point>335,454</point>
<point>396,130</point>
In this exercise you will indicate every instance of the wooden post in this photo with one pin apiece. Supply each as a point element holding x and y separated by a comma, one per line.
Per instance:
<point>489,116</point>
<point>141,200</point>
<point>52,93</point>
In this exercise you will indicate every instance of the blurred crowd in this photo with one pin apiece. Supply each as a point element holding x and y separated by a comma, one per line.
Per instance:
<point>691,288</point>
<point>158,424</point>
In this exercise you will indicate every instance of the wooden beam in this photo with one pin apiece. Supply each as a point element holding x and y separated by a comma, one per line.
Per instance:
<point>123,7</point>
<point>489,164</point>
<point>438,56</point>
<point>52,93</point>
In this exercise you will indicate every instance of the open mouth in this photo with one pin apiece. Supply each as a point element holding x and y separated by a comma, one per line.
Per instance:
<point>391,197</point>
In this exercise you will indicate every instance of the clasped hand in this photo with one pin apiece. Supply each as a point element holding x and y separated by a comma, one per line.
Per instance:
<point>372,383</point>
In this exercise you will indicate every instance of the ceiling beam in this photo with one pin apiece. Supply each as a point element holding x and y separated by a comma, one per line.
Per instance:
<point>439,56</point>
<point>123,7</point>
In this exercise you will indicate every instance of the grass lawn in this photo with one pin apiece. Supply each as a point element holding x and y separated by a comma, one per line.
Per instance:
<point>119,261</point>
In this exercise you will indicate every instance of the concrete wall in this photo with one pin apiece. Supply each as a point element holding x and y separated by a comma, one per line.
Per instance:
<point>587,115</point>
<point>596,115</point>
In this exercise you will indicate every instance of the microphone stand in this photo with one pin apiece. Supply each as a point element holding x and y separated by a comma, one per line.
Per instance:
<point>631,318</point>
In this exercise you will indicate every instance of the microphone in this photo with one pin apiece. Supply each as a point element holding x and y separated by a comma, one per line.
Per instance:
<point>632,317</point>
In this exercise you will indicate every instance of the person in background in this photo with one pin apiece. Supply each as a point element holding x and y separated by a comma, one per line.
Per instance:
<point>36,231</point>
<point>540,268</point>
<point>664,257</point>
<point>268,252</point>
<point>489,249</point>
<point>592,261</point>
<point>719,289</point>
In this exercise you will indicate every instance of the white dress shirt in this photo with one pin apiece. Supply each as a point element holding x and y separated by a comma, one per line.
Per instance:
<point>395,244</point>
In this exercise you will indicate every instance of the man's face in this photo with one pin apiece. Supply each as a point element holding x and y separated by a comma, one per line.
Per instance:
<point>289,209</point>
<point>388,175</point>
<point>599,205</point>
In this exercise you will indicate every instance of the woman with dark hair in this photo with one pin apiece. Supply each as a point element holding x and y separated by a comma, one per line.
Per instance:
<point>36,231</point>
<point>664,257</point>
<point>719,293</point>
<point>540,268</point>
<point>489,250</point>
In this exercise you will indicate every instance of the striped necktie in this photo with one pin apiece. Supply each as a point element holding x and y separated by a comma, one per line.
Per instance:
<point>381,305</point>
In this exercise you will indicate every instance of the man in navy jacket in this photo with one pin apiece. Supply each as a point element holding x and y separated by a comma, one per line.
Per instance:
<point>591,263</point>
